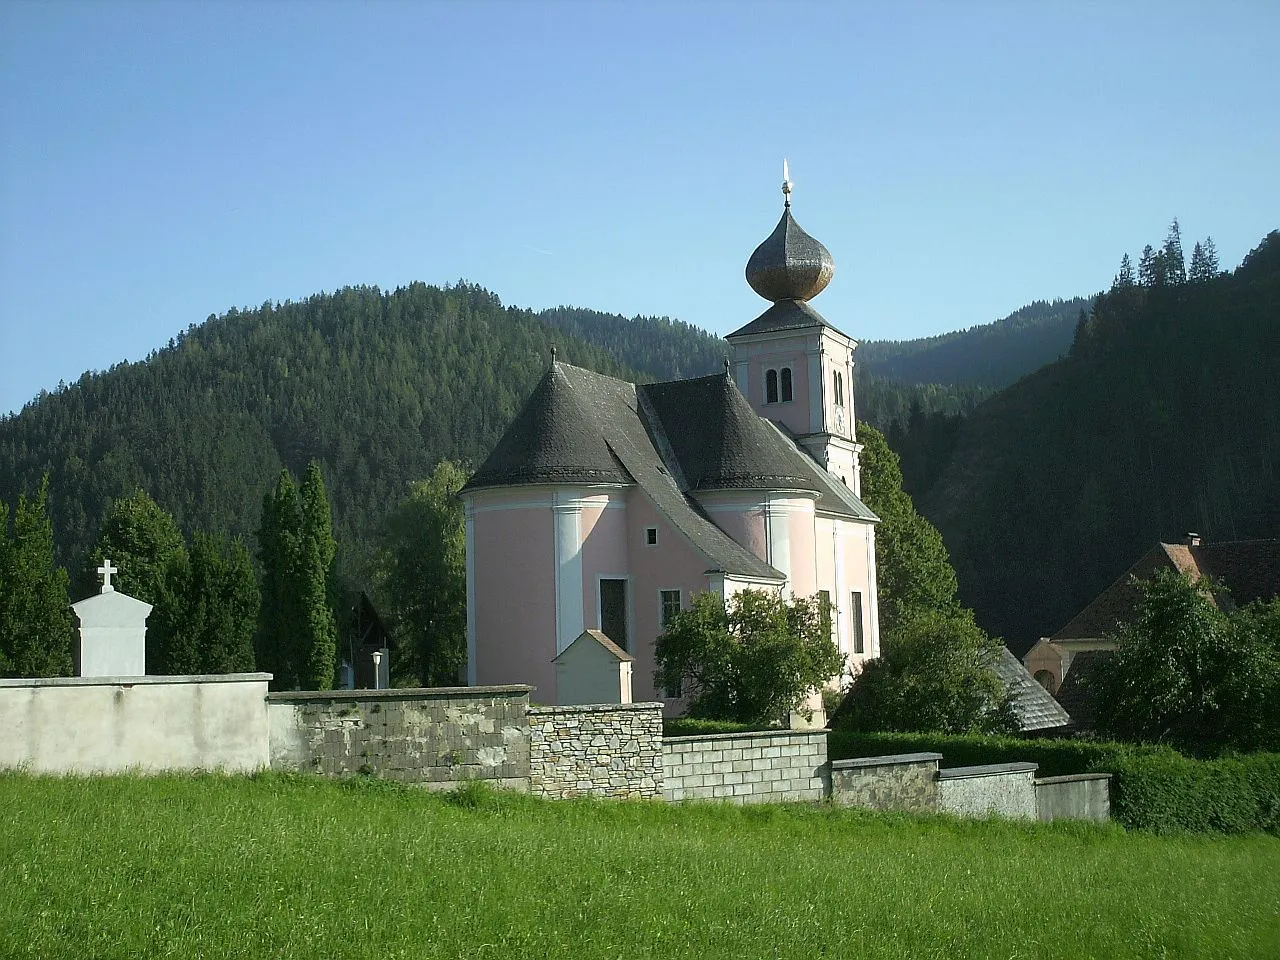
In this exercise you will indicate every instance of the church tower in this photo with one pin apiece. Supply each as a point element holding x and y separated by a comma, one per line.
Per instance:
<point>794,367</point>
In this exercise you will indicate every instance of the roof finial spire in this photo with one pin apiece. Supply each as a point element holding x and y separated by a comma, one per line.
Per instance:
<point>786,182</point>
<point>553,354</point>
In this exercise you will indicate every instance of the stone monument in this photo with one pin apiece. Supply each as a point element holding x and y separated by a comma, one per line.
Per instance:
<point>113,632</point>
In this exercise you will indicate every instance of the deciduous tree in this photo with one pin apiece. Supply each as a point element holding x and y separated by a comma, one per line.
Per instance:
<point>421,578</point>
<point>750,659</point>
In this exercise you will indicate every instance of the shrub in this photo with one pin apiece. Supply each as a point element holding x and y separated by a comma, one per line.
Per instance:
<point>694,727</point>
<point>1166,792</point>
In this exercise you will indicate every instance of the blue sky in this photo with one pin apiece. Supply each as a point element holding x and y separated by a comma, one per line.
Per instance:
<point>162,161</point>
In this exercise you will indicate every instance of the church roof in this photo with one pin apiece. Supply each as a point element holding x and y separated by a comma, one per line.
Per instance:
<point>790,264</point>
<point>783,316</point>
<point>673,440</point>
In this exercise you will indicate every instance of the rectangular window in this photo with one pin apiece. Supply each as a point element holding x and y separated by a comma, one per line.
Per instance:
<point>824,610</point>
<point>613,611</point>
<point>670,603</point>
<point>651,536</point>
<point>859,643</point>
<point>668,693</point>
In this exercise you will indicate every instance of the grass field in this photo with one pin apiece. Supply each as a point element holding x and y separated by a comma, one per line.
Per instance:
<point>293,867</point>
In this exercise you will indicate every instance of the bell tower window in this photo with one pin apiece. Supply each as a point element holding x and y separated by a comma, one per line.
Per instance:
<point>838,387</point>
<point>773,379</point>
<point>771,386</point>
<point>786,385</point>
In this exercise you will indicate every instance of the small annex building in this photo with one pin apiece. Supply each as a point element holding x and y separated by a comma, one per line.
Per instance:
<point>609,505</point>
<point>1249,570</point>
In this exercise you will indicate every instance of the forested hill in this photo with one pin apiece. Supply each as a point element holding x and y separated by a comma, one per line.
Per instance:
<point>665,349</point>
<point>991,355</point>
<point>1163,419</point>
<point>377,386</point>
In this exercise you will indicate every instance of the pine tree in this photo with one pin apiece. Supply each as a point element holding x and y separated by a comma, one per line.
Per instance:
<point>1150,268</point>
<point>1211,256</point>
<point>143,541</point>
<point>37,626</point>
<point>317,548</point>
<point>1175,264</point>
<point>1199,271</point>
<point>221,607</point>
<point>278,551</point>
<point>1124,278</point>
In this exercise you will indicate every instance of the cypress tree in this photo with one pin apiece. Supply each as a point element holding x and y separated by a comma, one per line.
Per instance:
<point>278,553</point>
<point>37,626</point>
<point>318,632</point>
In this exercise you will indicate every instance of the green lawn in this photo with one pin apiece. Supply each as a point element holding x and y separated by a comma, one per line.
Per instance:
<point>293,867</point>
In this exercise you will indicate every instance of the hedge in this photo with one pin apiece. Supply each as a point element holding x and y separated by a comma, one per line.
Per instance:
<point>690,727</point>
<point>1152,788</point>
<point>1169,793</point>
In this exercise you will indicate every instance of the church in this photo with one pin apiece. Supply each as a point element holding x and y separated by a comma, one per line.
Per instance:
<point>609,505</point>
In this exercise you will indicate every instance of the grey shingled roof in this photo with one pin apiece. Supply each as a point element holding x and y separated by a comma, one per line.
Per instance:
<point>673,440</point>
<point>551,440</point>
<point>784,315</point>
<point>1033,705</point>
<point>583,427</point>
<point>720,441</point>
<point>790,264</point>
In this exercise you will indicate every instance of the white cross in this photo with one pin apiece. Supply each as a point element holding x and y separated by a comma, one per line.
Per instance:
<point>107,570</point>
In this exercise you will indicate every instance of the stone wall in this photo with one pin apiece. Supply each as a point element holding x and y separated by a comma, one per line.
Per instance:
<point>765,767</point>
<point>907,782</point>
<point>83,725</point>
<point>1002,789</point>
<point>611,750</point>
<point>436,737</point>
<point>1082,796</point>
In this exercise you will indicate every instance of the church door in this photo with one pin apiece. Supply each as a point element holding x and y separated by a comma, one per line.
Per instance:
<point>613,611</point>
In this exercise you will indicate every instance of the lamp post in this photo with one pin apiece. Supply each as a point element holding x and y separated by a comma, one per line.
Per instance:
<point>377,669</point>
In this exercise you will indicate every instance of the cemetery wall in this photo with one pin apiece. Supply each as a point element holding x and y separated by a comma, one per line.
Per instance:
<point>1002,789</point>
<point>436,737</point>
<point>611,750</point>
<point>763,767</point>
<point>907,782</point>
<point>1081,796</point>
<point>83,725</point>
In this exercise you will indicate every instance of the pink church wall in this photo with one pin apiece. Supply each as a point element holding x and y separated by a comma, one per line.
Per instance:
<point>604,549</point>
<point>671,565</point>
<point>515,591</point>
<point>857,573</point>
<point>795,414</point>
<point>800,537</point>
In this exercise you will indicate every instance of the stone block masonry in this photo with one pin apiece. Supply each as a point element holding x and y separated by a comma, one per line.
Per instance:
<point>774,766</point>
<point>438,737</point>
<point>613,750</point>
<point>907,781</point>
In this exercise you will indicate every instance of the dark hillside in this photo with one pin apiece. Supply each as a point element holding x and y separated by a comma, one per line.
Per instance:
<point>992,355</point>
<point>377,386</point>
<point>1164,419</point>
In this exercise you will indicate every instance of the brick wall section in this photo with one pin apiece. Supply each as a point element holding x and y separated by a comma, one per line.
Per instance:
<point>764,767</point>
<point>437,737</point>
<point>612,750</point>
<point>907,782</point>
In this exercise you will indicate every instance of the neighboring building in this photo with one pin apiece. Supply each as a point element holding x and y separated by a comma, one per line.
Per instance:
<point>1248,569</point>
<point>1034,709</point>
<point>608,505</point>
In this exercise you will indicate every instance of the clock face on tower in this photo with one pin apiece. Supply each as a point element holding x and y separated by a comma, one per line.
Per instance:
<point>838,420</point>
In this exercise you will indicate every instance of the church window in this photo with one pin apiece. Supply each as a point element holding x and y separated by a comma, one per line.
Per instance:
<point>786,385</point>
<point>651,536</point>
<point>771,386</point>
<point>824,611</point>
<point>838,387</point>
<point>859,642</point>
<point>670,602</point>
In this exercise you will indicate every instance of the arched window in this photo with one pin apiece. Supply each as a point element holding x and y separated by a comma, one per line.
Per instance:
<point>786,385</point>
<point>838,387</point>
<point>771,386</point>
<point>1047,680</point>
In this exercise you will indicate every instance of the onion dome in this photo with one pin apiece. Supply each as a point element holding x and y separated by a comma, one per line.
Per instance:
<point>790,264</point>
